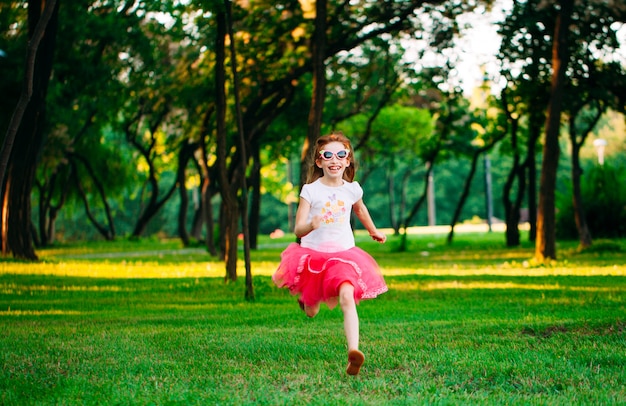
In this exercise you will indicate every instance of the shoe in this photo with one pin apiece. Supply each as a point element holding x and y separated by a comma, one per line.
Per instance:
<point>355,360</point>
<point>301,304</point>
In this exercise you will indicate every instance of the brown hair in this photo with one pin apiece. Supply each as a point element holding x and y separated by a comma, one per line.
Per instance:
<point>316,172</point>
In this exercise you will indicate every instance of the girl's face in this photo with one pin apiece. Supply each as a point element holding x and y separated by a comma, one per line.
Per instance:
<point>333,159</point>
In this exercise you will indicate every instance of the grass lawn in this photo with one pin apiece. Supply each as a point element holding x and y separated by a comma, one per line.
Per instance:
<point>473,323</point>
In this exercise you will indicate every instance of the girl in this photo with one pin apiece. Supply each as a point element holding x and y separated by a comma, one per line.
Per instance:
<point>326,266</point>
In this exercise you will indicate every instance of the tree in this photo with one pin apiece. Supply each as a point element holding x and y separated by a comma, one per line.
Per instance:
<point>446,110</point>
<point>518,172</point>
<point>475,139</point>
<point>545,245</point>
<point>524,101</point>
<point>83,99</point>
<point>271,89</point>
<point>27,129</point>
<point>401,132</point>
<point>318,57</point>
<point>596,84</point>
<point>249,294</point>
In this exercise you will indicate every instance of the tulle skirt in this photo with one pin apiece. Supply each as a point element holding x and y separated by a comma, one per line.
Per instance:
<point>316,276</point>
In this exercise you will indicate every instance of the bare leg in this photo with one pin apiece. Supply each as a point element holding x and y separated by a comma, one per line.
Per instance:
<point>351,327</point>
<point>350,316</point>
<point>311,311</point>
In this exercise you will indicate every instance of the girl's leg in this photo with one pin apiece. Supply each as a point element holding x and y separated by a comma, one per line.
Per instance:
<point>351,326</point>
<point>311,311</point>
<point>350,316</point>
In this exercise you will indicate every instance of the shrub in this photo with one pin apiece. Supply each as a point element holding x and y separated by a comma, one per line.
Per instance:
<point>604,200</point>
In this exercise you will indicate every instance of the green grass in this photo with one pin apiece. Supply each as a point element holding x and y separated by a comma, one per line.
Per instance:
<point>475,323</point>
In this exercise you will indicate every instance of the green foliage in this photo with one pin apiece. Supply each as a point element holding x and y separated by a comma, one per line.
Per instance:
<point>117,61</point>
<point>147,322</point>
<point>13,42</point>
<point>604,200</point>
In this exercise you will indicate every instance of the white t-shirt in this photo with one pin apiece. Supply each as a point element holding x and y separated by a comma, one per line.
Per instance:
<point>334,204</point>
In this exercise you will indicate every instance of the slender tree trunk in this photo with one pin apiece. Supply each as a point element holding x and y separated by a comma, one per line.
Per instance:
<point>184,155</point>
<point>255,205</point>
<point>318,45</point>
<point>47,210</point>
<point>104,231</point>
<point>207,187</point>
<point>182,211</point>
<point>464,194</point>
<point>229,209</point>
<point>403,199</point>
<point>153,207</point>
<point>109,232</point>
<point>207,210</point>
<point>584,235</point>
<point>511,210</point>
<point>545,245</point>
<point>249,294</point>
<point>198,214</point>
<point>391,193</point>
<point>417,205</point>
<point>531,165</point>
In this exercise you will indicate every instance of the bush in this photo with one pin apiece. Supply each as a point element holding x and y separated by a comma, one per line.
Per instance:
<point>604,200</point>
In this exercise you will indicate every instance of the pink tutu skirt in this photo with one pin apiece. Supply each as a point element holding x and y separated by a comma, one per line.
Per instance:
<point>316,276</point>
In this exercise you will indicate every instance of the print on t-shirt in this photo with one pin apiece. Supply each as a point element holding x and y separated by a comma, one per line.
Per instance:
<point>334,211</point>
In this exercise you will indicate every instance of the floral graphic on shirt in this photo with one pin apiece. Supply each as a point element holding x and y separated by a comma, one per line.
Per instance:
<point>334,211</point>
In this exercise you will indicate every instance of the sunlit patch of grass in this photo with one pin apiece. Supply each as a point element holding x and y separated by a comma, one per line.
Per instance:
<point>124,269</point>
<point>51,312</point>
<point>14,288</point>
<point>428,254</point>
<point>457,270</point>
<point>456,284</point>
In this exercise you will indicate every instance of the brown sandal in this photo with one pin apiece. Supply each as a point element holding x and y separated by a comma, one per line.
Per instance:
<point>355,360</point>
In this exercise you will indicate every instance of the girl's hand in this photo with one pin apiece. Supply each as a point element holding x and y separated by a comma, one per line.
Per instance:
<point>316,221</point>
<point>378,236</point>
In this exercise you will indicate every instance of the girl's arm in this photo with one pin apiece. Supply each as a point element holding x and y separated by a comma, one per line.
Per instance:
<point>303,226</point>
<point>364,216</point>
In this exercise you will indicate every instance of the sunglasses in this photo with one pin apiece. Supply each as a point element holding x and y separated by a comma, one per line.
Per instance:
<point>328,155</point>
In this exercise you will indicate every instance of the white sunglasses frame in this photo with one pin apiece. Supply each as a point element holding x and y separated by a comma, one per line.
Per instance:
<point>334,154</point>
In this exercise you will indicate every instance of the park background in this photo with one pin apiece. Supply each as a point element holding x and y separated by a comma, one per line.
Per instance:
<point>139,115</point>
<point>126,230</point>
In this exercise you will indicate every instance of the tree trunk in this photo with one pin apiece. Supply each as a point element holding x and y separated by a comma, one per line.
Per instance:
<point>545,245</point>
<point>207,208</point>
<point>208,190</point>
<point>229,209</point>
<point>107,232</point>
<point>184,155</point>
<point>531,165</point>
<point>584,235</point>
<point>391,193</point>
<point>417,205</point>
<point>243,151</point>
<point>318,45</point>
<point>463,198</point>
<point>403,199</point>
<point>255,205</point>
<point>48,211</point>
<point>153,207</point>
<point>25,134</point>
<point>511,210</point>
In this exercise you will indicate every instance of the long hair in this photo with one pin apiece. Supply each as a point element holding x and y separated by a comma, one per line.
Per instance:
<point>316,172</point>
